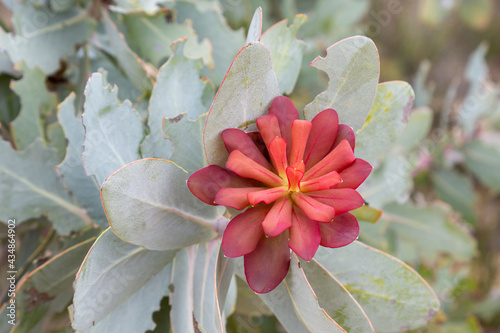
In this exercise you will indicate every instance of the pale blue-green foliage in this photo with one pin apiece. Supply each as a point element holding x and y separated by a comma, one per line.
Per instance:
<point>110,275</point>
<point>145,128</point>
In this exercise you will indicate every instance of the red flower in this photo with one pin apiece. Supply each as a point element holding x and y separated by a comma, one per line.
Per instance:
<point>298,177</point>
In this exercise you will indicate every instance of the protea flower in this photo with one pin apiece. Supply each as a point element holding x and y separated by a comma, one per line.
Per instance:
<point>296,179</point>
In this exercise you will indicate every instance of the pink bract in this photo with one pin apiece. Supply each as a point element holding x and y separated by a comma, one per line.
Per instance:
<point>297,189</point>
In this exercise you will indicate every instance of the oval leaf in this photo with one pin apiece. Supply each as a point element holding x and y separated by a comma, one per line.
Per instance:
<point>392,294</point>
<point>385,122</point>
<point>352,66</point>
<point>148,204</point>
<point>246,93</point>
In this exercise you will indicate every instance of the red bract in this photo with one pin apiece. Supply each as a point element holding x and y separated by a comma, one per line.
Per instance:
<point>299,180</point>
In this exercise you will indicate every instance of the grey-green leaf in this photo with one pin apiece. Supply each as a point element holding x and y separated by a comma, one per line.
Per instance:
<point>148,204</point>
<point>151,36</point>
<point>30,187</point>
<point>35,102</point>
<point>456,189</point>
<point>352,66</point>
<point>335,300</point>
<point>246,93</point>
<point>426,233</point>
<point>46,290</point>
<point>225,42</point>
<point>37,26</point>
<point>186,137</point>
<point>255,28</point>
<point>84,188</point>
<point>178,89</point>
<point>135,314</point>
<point>385,121</point>
<point>483,159</point>
<point>392,294</point>
<point>286,51</point>
<point>113,130</point>
<point>111,274</point>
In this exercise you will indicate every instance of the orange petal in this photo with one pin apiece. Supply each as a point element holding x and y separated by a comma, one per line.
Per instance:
<point>277,152</point>
<point>267,195</point>
<point>236,198</point>
<point>339,158</point>
<point>321,183</point>
<point>300,133</point>
<point>245,167</point>
<point>314,209</point>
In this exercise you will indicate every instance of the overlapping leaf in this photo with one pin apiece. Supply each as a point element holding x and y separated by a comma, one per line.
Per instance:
<point>30,187</point>
<point>35,102</point>
<point>352,66</point>
<point>148,204</point>
<point>135,314</point>
<point>246,93</point>
<point>199,278</point>
<point>46,290</point>
<point>186,137</point>
<point>39,26</point>
<point>110,275</point>
<point>225,42</point>
<point>483,159</point>
<point>151,37</point>
<point>84,188</point>
<point>386,120</point>
<point>113,130</point>
<point>422,233</point>
<point>286,51</point>
<point>178,89</point>
<point>392,295</point>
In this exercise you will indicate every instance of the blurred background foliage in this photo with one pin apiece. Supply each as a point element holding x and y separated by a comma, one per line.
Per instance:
<point>439,184</point>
